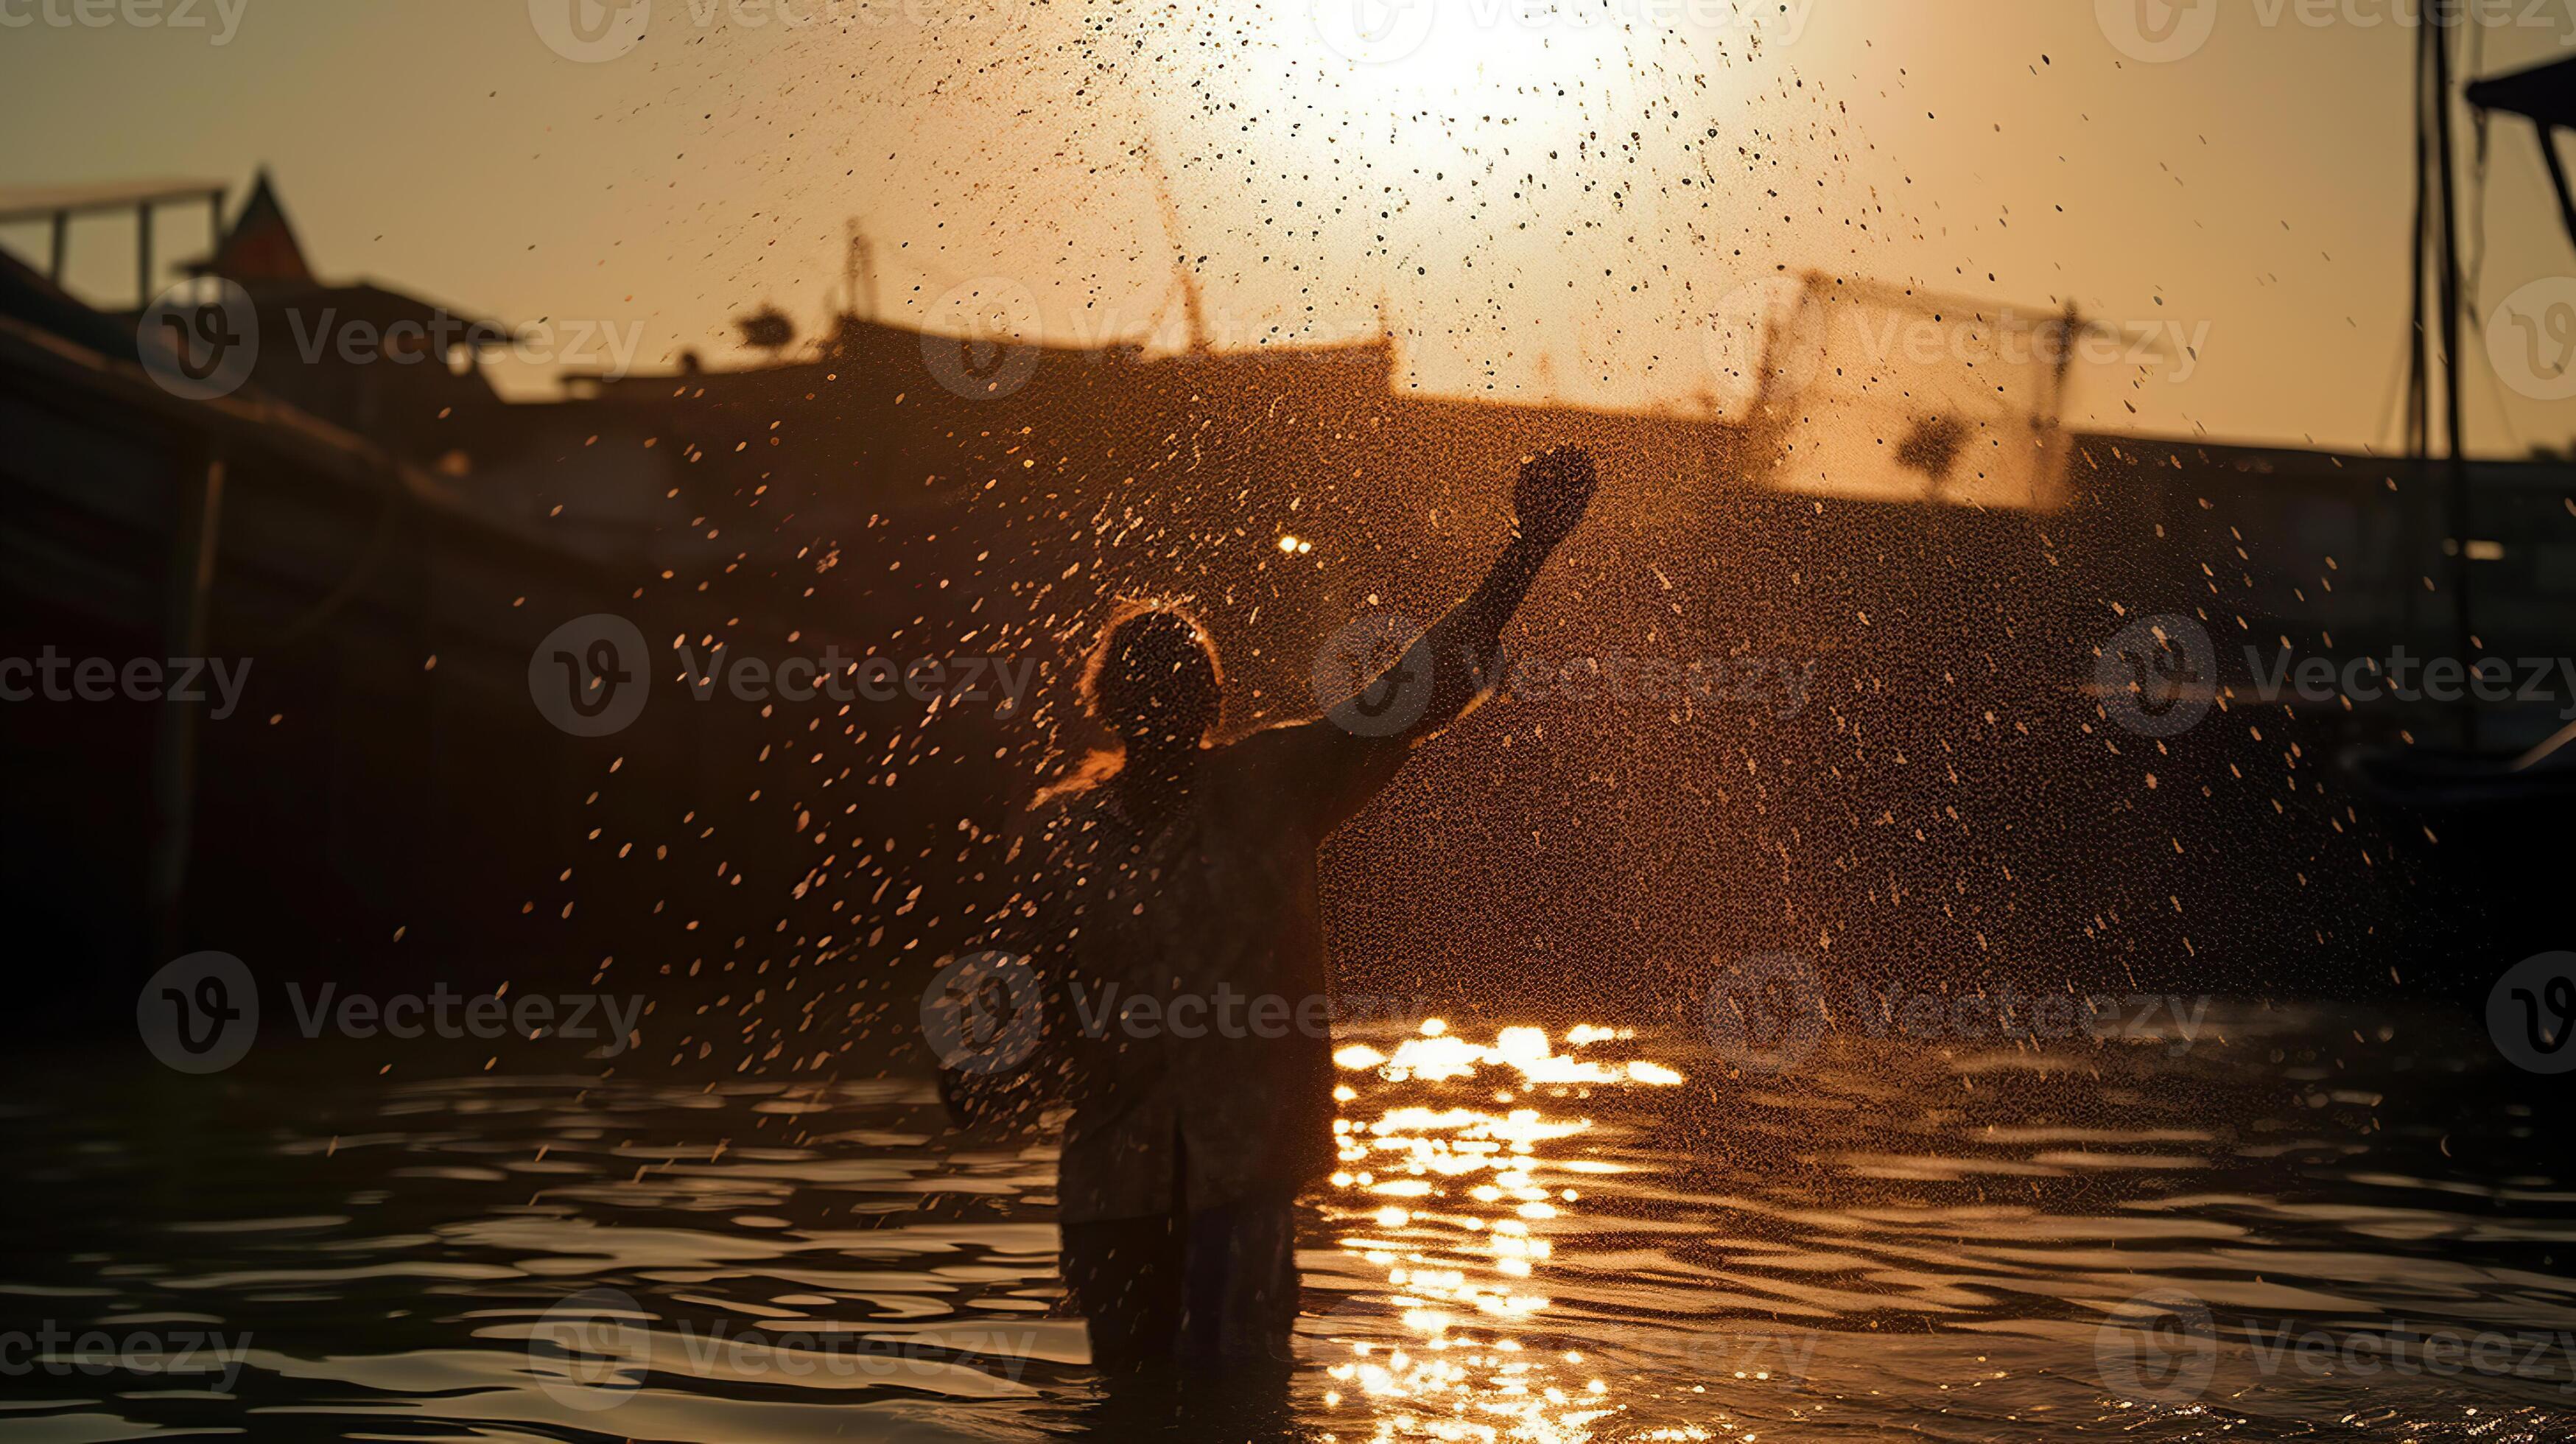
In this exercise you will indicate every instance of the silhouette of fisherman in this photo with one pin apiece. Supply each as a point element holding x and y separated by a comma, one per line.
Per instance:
<point>1173,917</point>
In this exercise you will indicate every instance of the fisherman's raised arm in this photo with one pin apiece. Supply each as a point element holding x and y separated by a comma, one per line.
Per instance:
<point>1458,659</point>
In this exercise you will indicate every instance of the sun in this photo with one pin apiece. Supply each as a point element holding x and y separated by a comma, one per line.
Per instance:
<point>1440,72</point>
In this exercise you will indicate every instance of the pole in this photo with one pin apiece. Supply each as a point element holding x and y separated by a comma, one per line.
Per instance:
<point>2419,417</point>
<point>2419,425</point>
<point>143,255</point>
<point>2448,14</point>
<point>197,514</point>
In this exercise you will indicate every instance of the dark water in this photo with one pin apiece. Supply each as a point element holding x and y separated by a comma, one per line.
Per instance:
<point>1896,1238</point>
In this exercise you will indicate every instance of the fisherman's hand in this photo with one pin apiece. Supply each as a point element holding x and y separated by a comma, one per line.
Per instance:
<point>1555,487</point>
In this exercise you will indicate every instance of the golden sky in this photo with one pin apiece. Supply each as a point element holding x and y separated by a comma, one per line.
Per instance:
<point>1544,198</point>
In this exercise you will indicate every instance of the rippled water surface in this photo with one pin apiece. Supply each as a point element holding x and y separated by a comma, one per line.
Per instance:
<point>2305,1223</point>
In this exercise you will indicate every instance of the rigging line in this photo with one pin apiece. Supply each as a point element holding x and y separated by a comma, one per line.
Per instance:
<point>2474,282</point>
<point>2457,509</point>
<point>2478,119</point>
<point>2397,404</point>
<point>2418,431</point>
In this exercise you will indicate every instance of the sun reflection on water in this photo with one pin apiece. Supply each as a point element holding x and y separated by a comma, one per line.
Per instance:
<point>1455,1203</point>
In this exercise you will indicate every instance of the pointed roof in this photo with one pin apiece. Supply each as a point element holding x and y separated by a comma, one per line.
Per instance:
<point>261,248</point>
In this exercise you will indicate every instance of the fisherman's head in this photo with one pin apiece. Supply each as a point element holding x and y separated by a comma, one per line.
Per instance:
<point>1155,680</point>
